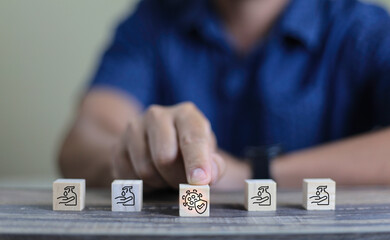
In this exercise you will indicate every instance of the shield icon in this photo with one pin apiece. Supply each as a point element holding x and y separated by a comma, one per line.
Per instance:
<point>201,206</point>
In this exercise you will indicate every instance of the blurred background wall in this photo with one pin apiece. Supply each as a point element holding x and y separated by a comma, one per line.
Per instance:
<point>48,51</point>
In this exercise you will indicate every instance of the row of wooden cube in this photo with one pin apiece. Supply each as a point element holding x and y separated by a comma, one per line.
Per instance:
<point>69,195</point>
<point>126,196</point>
<point>260,195</point>
<point>318,194</point>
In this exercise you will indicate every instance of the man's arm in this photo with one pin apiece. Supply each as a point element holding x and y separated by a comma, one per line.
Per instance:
<point>90,144</point>
<point>360,160</point>
<point>112,138</point>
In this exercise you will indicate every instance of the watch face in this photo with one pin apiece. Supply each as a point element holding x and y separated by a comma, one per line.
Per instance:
<point>264,152</point>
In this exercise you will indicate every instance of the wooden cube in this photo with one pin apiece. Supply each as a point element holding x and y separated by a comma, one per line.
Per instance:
<point>319,194</point>
<point>194,200</point>
<point>126,195</point>
<point>260,195</point>
<point>69,195</point>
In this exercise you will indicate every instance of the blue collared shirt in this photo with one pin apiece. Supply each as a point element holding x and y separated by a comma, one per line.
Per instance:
<point>322,73</point>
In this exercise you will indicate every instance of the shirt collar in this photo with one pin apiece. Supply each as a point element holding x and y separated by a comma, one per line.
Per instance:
<point>302,21</point>
<point>190,13</point>
<point>200,15</point>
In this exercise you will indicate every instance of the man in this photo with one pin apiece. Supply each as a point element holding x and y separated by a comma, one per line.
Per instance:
<point>187,86</point>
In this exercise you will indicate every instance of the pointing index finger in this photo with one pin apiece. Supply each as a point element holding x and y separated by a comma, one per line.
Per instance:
<point>194,141</point>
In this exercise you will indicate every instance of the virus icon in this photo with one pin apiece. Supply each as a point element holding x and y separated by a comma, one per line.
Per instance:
<point>193,200</point>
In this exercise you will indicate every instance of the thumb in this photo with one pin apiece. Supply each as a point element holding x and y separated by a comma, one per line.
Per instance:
<point>218,167</point>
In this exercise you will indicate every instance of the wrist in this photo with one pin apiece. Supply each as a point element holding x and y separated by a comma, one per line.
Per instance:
<point>261,159</point>
<point>275,168</point>
<point>237,170</point>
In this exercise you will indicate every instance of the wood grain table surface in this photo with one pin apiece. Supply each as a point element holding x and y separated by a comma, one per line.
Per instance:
<point>361,213</point>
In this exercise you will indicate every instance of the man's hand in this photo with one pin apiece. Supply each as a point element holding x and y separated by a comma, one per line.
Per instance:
<point>167,146</point>
<point>163,146</point>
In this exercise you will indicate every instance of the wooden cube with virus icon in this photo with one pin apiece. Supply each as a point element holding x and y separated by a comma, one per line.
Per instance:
<point>194,200</point>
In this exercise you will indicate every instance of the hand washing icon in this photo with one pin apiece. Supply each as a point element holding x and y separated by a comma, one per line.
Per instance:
<point>69,197</point>
<point>127,197</point>
<point>263,197</point>
<point>321,197</point>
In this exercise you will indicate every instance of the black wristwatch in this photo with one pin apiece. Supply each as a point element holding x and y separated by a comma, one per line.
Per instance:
<point>260,158</point>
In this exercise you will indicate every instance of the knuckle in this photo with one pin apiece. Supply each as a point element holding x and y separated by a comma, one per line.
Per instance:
<point>206,125</point>
<point>154,112</point>
<point>163,158</point>
<point>188,107</point>
<point>189,139</point>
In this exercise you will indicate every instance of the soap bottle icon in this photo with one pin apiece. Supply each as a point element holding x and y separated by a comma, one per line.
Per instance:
<point>69,197</point>
<point>127,197</point>
<point>263,197</point>
<point>321,197</point>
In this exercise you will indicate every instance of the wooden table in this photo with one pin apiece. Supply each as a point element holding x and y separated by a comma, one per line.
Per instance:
<point>361,213</point>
